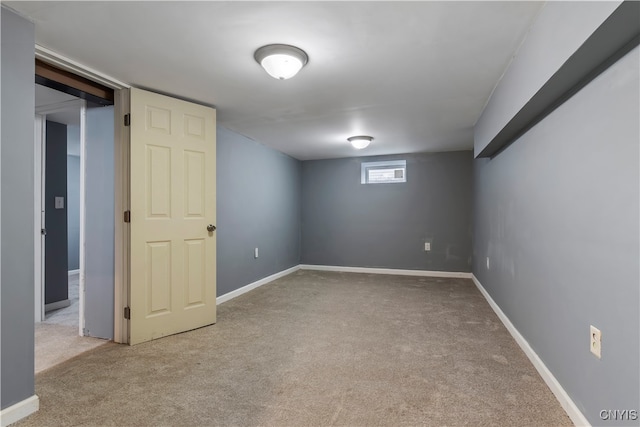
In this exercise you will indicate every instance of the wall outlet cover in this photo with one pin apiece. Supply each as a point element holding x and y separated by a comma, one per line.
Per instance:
<point>596,342</point>
<point>427,246</point>
<point>59,202</point>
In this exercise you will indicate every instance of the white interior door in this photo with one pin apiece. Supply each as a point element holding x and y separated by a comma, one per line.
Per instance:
<point>172,188</point>
<point>97,222</point>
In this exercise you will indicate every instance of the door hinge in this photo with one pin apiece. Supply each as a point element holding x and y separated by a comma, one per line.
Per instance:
<point>127,313</point>
<point>127,119</point>
<point>127,216</point>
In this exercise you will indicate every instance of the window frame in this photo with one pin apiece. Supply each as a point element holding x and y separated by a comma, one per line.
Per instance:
<point>365,167</point>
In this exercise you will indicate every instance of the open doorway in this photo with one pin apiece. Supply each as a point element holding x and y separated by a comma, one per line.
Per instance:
<point>61,179</point>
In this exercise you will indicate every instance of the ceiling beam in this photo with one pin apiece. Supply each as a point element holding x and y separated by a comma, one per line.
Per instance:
<point>63,63</point>
<point>51,73</point>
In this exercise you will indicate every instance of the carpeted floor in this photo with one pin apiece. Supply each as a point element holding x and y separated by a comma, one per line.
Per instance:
<point>67,316</point>
<point>55,344</point>
<point>57,337</point>
<point>314,348</point>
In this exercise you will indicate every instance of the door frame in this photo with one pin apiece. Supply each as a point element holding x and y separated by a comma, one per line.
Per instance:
<point>121,174</point>
<point>122,230</point>
<point>38,218</point>
<point>40,139</point>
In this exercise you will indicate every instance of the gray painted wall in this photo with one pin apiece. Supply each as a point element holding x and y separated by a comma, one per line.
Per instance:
<point>99,222</point>
<point>73,140</point>
<point>73,211</point>
<point>346,223</point>
<point>258,205</point>
<point>559,30</point>
<point>17,187</point>
<point>557,213</point>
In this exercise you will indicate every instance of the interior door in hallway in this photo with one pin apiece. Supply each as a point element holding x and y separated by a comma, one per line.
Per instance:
<point>173,239</point>
<point>56,284</point>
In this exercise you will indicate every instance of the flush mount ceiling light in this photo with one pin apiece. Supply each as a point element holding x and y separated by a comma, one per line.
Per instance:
<point>360,142</point>
<point>281,61</point>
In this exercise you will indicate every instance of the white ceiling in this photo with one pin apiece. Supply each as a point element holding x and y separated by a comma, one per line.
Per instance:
<point>414,75</point>
<point>47,97</point>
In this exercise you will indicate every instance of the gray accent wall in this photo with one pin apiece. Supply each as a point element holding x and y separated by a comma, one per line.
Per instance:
<point>99,222</point>
<point>73,211</point>
<point>16,224</point>
<point>346,223</point>
<point>557,213</point>
<point>258,206</point>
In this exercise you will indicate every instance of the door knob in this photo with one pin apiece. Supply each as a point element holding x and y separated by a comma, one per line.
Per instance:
<point>211,228</point>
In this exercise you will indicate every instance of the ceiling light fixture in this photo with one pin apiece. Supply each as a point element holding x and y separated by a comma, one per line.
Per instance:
<point>360,142</point>
<point>281,61</point>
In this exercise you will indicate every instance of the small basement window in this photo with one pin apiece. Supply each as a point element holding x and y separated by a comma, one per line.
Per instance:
<point>384,172</point>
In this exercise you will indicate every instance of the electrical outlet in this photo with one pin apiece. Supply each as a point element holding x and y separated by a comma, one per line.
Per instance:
<point>255,253</point>
<point>596,341</point>
<point>427,246</point>
<point>488,264</point>
<point>59,202</point>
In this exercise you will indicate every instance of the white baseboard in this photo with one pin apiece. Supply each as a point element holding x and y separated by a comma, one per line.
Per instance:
<point>392,271</point>
<point>19,410</point>
<point>233,294</point>
<point>57,305</point>
<point>563,397</point>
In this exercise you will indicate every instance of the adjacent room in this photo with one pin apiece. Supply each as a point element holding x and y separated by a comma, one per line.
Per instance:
<point>70,138</point>
<point>320,213</point>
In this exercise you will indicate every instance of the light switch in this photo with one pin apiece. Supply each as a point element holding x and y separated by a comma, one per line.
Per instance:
<point>59,202</point>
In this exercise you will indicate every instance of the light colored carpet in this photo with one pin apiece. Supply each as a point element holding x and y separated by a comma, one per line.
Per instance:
<point>55,344</point>
<point>57,338</point>
<point>314,348</point>
<point>69,315</point>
